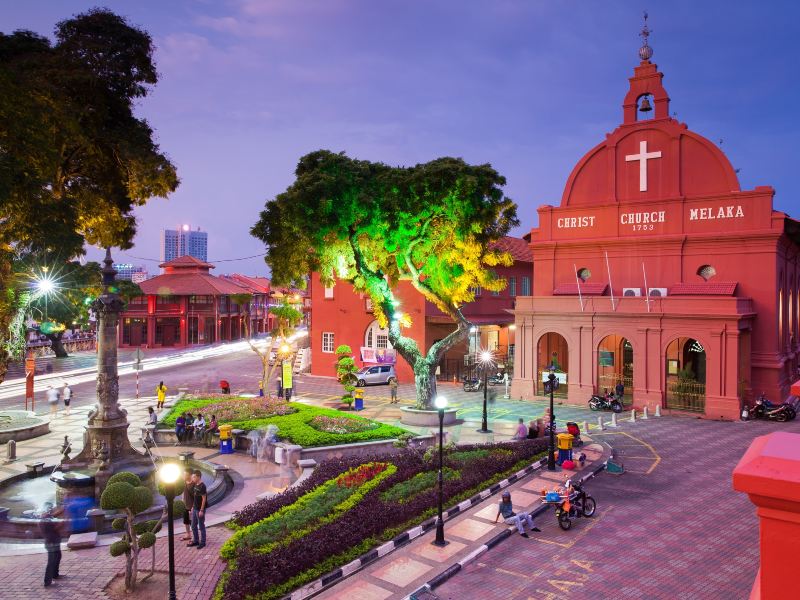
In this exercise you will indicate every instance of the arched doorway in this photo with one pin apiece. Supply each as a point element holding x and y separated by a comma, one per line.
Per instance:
<point>615,365</point>
<point>553,351</point>
<point>686,374</point>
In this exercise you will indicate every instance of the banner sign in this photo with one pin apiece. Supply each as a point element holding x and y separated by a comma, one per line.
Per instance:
<point>382,356</point>
<point>560,377</point>
<point>287,374</point>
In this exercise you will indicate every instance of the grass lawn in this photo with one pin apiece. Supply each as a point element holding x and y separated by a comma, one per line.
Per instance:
<point>300,424</point>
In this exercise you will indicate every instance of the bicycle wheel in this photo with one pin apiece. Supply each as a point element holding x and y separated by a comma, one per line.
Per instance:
<point>564,521</point>
<point>588,506</point>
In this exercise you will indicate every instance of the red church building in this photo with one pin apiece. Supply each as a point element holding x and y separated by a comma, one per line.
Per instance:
<point>656,270</point>
<point>341,316</point>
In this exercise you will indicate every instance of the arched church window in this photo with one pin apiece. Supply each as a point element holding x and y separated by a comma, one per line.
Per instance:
<point>584,274</point>
<point>706,272</point>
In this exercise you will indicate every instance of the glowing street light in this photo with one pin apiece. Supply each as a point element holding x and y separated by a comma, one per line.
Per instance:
<point>168,474</point>
<point>486,359</point>
<point>45,285</point>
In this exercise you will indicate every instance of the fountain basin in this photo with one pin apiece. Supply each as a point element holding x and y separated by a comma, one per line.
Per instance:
<point>21,425</point>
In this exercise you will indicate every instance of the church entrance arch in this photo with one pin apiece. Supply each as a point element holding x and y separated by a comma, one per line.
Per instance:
<point>615,365</point>
<point>553,351</point>
<point>686,374</point>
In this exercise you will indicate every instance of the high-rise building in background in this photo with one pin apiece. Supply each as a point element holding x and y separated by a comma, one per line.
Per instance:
<point>181,242</point>
<point>129,272</point>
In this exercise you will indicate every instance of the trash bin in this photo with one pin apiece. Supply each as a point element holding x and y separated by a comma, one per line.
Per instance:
<point>358,394</point>
<point>564,446</point>
<point>225,439</point>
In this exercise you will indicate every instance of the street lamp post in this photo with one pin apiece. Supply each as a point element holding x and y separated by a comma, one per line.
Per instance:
<point>441,404</point>
<point>551,446</point>
<point>169,474</point>
<point>486,360</point>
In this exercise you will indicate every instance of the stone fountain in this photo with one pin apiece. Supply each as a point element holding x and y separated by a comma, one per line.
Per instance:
<point>106,448</point>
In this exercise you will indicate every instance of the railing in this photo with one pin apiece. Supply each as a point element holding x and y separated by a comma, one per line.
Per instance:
<point>686,395</point>
<point>39,349</point>
<point>609,382</point>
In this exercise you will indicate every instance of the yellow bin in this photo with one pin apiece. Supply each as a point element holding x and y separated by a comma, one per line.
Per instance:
<point>225,432</point>
<point>565,441</point>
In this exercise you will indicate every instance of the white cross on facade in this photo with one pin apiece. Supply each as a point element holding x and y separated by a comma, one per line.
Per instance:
<point>642,157</point>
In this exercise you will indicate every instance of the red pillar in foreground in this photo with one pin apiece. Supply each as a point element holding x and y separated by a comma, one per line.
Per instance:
<point>769,473</point>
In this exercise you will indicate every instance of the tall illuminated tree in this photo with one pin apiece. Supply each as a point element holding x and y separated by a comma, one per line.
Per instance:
<point>372,225</point>
<point>75,160</point>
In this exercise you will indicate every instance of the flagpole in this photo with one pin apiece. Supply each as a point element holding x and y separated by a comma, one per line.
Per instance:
<point>578,281</point>
<point>611,285</point>
<point>646,289</point>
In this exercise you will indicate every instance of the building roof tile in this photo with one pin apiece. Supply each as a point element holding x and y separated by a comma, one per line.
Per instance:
<point>190,284</point>
<point>517,247</point>
<point>186,261</point>
<point>587,289</point>
<point>706,288</point>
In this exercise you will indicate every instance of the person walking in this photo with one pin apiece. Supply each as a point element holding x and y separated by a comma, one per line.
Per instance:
<point>393,390</point>
<point>200,499</point>
<point>161,392</point>
<point>66,394</point>
<point>506,509</point>
<point>52,400</point>
<point>188,502</point>
<point>51,532</point>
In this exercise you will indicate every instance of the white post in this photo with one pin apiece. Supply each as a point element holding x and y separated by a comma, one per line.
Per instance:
<point>613,420</point>
<point>600,425</point>
<point>585,427</point>
<point>644,413</point>
<point>658,410</point>
<point>633,415</point>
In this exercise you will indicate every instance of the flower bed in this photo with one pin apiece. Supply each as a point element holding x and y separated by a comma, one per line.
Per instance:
<point>297,423</point>
<point>379,513</point>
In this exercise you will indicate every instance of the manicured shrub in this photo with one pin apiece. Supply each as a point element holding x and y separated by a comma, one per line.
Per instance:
<point>147,539</point>
<point>299,559</point>
<point>297,427</point>
<point>407,490</point>
<point>127,477</point>
<point>119,548</point>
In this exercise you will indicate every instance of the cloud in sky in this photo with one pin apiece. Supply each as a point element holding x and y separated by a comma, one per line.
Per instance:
<point>248,86</point>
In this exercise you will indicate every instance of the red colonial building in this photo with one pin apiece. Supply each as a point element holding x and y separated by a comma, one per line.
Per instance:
<point>342,316</point>
<point>186,305</point>
<point>658,271</point>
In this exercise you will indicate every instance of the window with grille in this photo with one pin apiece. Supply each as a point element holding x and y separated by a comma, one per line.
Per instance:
<point>327,341</point>
<point>512,286</point>
<point>381,341</point>
<point>526,286</point>
<point>706,272</point>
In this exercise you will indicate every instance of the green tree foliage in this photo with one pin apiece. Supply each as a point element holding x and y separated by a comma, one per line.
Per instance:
<point>74,159</point>
<point>346,370</point>
<point>372,225</point>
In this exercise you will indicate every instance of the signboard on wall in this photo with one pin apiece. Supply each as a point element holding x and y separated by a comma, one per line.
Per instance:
<point>606,358</point>
<point>383,356</point>
<point>560,377</point>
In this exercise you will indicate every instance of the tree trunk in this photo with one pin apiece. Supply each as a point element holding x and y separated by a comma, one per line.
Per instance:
<point>57,345</point>
<point>425,380</point>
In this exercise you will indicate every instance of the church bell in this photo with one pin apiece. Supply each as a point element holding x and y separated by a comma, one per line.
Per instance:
<point>645,105</point>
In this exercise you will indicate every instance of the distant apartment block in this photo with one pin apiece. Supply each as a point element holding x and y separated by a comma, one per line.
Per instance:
<point>184,242</point>
<point>129,272</point>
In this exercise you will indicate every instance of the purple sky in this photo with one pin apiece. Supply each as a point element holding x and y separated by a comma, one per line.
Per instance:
<point>248,86</point>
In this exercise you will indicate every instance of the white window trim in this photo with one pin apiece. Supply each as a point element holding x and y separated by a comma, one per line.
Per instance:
<point>332,344</point>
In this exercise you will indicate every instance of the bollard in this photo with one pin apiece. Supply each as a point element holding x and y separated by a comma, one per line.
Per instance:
<point>658,410</point>
<point>586,427</point>
<point>11,450</point>
<point>613,420</point>
<point>633,415</point>
<point>600,425</point>
<point>644,413</point>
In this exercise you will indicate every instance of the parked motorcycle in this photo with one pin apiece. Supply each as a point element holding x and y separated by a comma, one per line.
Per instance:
<point>495,379</point>
<point>473,385</point>
<point>764,409</point>
<point>597,402</point>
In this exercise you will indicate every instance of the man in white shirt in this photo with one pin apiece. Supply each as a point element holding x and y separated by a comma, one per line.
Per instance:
<point>199,426</point>
<point>66,394</point>
<point>52,400</point>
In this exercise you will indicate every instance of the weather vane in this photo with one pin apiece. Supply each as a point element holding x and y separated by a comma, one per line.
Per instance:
<point>645,52</point>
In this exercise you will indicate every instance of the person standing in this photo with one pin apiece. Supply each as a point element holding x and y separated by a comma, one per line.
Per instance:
<point>161,392</point>
<point>200,497</point>
<point>393,390</point>
<point>620,390</point>
<point>66,394</point>
<point>261,388</point>
<point>188,502</point>
<point>51,532</point>
<point>52,400</point>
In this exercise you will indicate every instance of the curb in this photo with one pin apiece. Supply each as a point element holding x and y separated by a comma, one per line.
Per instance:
<point>319,585</point>
<point>489,544</point>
